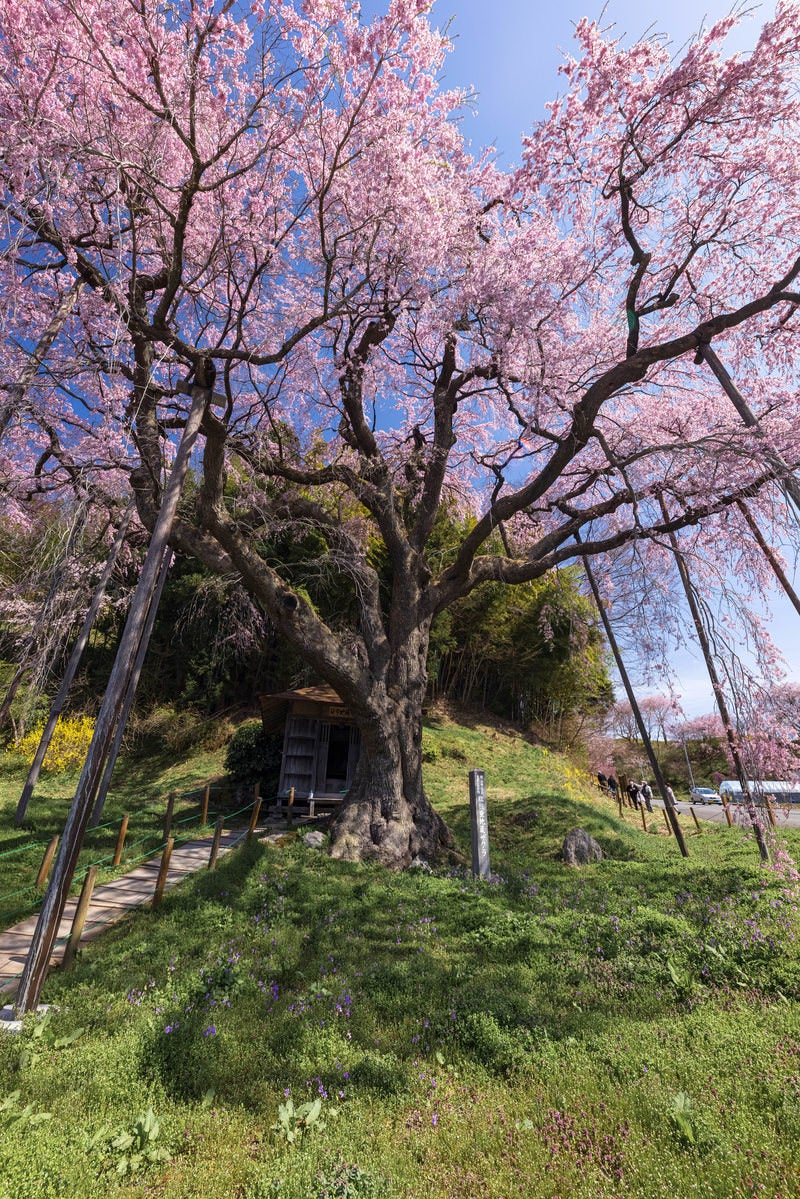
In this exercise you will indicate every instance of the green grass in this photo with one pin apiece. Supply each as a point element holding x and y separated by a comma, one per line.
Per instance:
<point>631,1029</point>
<point>140,787</point>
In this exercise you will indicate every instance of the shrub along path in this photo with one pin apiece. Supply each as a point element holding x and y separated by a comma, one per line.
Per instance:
<point>110,902</point>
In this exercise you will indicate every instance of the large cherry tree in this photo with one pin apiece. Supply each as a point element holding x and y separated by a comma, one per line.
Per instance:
<point>398,328</point>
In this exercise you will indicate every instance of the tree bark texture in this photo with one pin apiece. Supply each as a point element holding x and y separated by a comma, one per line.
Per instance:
<point>387,816</point>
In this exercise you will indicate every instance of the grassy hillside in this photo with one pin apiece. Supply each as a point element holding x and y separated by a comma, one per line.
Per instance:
<point>140,787</point>
<point>631,1029</point>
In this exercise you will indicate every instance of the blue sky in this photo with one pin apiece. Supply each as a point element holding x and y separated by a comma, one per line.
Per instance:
<point>510,51</point>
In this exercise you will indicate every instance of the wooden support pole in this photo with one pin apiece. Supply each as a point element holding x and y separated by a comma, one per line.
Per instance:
<point>212,861</point>
<point>770,810</point>
<point>694,818</point>
<point>123,832</point>
<point>168,816</point>
<point>121,722</point>
<point>727,813</point>
<point>666,821</point>
<point>163,870</point>
<point>81,912</point>
<point>619,803</point>
<point>669,808</point>
<point>290,807</point>
<point>47,861</point>
<point>255,813</point>
<point>784,474</point>
<point>52,909</point>
<point>44,617</point>
<point>16,392</point>
<point>72,667</point>
<point>716,685</point>
<point>770,555</point>
<point>644,819</point>
<point>204,809</point>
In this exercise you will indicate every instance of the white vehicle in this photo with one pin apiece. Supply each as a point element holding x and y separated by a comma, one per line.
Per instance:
<point>704,795</point>
<point>778,792</point>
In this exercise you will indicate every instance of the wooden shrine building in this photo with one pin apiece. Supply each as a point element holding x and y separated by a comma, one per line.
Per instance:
<point>320,741</point>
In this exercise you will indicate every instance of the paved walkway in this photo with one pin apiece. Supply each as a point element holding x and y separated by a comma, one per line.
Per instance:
<point>111,901</point>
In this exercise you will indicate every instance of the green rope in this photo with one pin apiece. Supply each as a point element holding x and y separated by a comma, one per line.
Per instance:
<point>22,891</point>
<point>99,862</point>
<point>19,848</point>
<point>186,840</point>
<point>146,837</point>
<point>239,811</point>
<point>143,857</point>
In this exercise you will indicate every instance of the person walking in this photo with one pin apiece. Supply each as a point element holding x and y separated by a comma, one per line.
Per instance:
<point>633,793</point>
<point>647,795</point>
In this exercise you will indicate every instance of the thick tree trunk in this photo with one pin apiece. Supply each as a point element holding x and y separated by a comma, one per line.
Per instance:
<point>387,816</point>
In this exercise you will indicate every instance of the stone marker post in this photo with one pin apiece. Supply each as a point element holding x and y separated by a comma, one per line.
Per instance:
<point>479,824</point>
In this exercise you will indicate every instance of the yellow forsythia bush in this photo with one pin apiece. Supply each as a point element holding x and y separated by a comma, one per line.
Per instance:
<point>68,747</point>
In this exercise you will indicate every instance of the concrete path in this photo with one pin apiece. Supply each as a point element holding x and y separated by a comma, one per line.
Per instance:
<point>111,901</point>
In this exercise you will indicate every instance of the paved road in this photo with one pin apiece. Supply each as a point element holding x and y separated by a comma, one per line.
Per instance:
<point>784,817</point>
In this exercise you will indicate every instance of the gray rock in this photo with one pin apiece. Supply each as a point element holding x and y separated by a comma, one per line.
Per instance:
<point>314,839</point>
<point>579,848</point>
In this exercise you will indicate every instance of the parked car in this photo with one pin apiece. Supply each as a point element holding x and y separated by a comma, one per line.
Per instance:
<point>704,795</point>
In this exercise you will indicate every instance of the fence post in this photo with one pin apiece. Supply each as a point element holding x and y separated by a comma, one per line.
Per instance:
<point>47,861</point>
<point>694,818</point>
<point>81,912</point>
<point>255,813</point>
<point>644,820</point>
<point>212,861</point>
<point>123,832</point>
<point>204,811</point>
<point>168,817</point>
<point>666,821</point>
<point>770,812</point>
<point>290,806</point>
<point>727,813</point>
<point>163,870</point>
